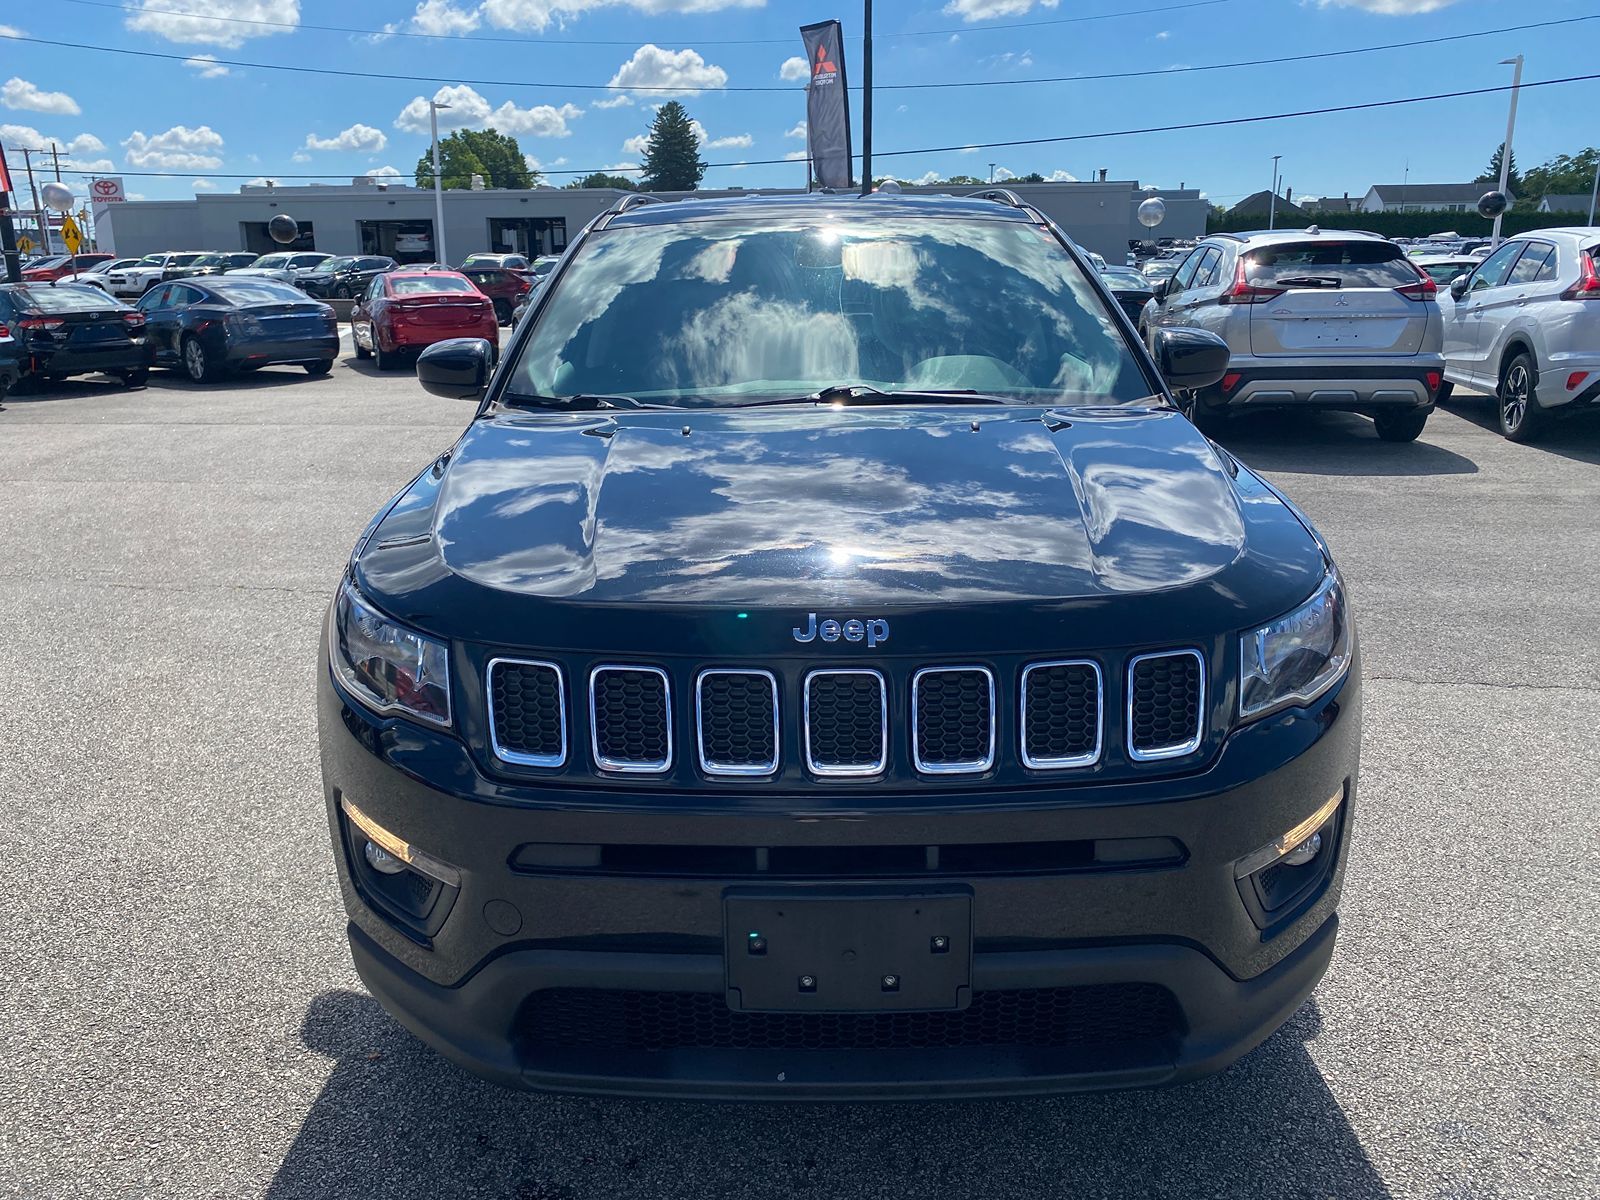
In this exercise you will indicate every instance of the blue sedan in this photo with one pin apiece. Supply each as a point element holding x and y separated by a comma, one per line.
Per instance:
<point>209,327</point>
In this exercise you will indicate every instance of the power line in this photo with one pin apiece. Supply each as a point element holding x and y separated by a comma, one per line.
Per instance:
<point>136,10</point>
<point>792,90</point>
<point>1220,123</point>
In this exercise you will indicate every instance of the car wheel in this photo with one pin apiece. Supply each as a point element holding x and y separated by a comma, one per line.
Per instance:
<point>197,364</point>
<point>355,340</point>
<point>384,360</point>
<point>340,292</point>
<point>137,377</point>
<point>1400,427</point>
<point>502,312</point>
<point>321,367</point>
<point>1516,401</point>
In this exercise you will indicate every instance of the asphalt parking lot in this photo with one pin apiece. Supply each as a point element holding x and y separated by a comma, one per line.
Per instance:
<point>182,1018</point>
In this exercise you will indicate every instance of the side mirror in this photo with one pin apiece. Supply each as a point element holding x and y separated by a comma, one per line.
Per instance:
<point>457,369</point>
<point>1190,358</point>
<point>1459,285</point>
<point>1162,287</point>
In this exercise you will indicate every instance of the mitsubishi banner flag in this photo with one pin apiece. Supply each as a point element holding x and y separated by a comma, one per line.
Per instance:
<point>827,105</point>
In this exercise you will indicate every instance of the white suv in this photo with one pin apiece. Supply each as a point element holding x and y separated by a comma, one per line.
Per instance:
<point>1314,318</point>
<point>1526,326</point>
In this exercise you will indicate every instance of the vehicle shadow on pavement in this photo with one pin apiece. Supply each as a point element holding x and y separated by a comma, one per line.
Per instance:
<point>1329,443</point>
<point>1577,437</point>
<point>395,1119</point>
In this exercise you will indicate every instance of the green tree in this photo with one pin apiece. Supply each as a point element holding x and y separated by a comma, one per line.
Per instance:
<point>1566,174</point>
<point>1491,173</point>
<point>672,161</point>
<point>601,180</point>
<point>487,152</point>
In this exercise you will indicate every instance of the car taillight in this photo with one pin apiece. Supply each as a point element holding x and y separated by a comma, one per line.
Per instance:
<point>5,330</point>
<point>1423,289</point>
<point>1230,381</point>
<point>135,319</point>
<point>1245,292</point>
<point>51,323</point>
<point>1574,380</point>
<point>1588,285</point>
<point>1434,378</point>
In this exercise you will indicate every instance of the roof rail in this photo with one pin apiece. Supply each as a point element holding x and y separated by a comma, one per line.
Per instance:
<point>635,199</point>
<point>1001,196</point>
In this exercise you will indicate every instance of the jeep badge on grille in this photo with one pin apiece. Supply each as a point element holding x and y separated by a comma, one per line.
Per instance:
<point>873,631</point>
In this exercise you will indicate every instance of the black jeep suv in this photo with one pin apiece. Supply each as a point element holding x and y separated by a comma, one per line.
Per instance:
<point>828,665</point>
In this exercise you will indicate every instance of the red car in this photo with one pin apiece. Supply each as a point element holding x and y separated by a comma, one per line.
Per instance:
<point>404,310</point>
<point>504,285</point>
<point>58,265</point>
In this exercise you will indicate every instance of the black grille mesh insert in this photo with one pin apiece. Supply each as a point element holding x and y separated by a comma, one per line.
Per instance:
<point>525,702</point>
<point>1099,1014</point>
<point>845,720</point>
<point>1061,705</point>
<point>954,718</point>
<point>630,716</point>
<point>736,721</point>
<point>1165,705</point>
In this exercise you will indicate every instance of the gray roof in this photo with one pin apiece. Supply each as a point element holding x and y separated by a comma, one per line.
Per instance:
<point>1439,193</point>
<point>1260,202</point>
<point>1566,203</point>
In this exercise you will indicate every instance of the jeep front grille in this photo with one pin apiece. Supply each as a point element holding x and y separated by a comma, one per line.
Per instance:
<point>952,719</point>
<point>630,719</point>
<point>1166,700</point>
<point>737,717</point>
<point>527,712</point>
<point>1060,714</point>
<point>846,722</point>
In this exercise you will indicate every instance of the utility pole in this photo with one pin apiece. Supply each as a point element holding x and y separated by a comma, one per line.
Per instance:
<point>866,98</point>
<point>56,155</point>
<point>1272,201</point>
<point>438,183</point>
<point>38,212</point>
<point>1505,147</point>
<point>1594,192</point>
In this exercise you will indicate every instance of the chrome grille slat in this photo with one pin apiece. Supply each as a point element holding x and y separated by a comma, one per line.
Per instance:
<point>1060,709</point>
<point>527,723</point>
<point>1166,699</point>
<point>745,739</point>
<point>630,709</point>
<point>836,708</point>
<point>941,738</point>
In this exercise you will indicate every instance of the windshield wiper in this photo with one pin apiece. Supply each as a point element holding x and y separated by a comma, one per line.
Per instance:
<point>581,402</point>
<point>861,393</point>
<point>1309,281</point>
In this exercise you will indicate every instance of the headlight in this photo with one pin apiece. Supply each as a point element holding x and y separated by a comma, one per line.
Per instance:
<point>1299,656</point>
<point>390,668</point>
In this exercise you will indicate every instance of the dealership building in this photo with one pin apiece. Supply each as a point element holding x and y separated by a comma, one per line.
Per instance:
<point>376,216</point>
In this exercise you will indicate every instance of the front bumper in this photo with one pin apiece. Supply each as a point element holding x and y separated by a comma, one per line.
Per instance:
<point>472,977</point>
<point>1361,387</point>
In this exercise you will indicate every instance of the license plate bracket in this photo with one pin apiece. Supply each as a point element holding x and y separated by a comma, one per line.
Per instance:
<point>882,952</point>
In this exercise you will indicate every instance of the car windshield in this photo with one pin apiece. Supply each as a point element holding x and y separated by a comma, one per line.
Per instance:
<point>1331,264</point>
<point>245,291</point>
<point>185,260</point>
<point>65,299</point>
<point>210,260</point>
<point>152,260</point>
<point>738,311</point>
<point>55,260</point>
<point>541,266</point>
<point>329,265</point>
<point>1124,277</point>
<point>417,285</point>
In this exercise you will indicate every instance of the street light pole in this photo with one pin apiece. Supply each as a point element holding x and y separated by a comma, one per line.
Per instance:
<point>438,183</point>
<point>1594,192</point>
<point>1272,200</point>
<point>1505,147</point>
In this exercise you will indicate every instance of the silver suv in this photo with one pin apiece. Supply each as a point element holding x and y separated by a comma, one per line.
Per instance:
<point>1525,325</point>
<point>1315,318</point>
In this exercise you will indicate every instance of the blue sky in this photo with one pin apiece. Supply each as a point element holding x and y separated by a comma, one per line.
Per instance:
<point>198,121</point>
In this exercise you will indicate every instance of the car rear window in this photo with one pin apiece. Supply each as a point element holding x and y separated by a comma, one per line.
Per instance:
<point>247,289</point>
<point>1330,264</point>
<point>66,299</point>
<point>420,284</point>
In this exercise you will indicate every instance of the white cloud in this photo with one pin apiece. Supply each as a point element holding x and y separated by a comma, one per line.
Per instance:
<point>535,165</point>
<point>1391,8</point>
<point>968,149</point>
<point>799,131</point>
<point>358,139</point>
<point>260,181</point>
<point>796,155</point>
<point>442,17</point>
<point>621,167</point>
<point>207,66</point>
<point>793,69</point>
<point>1062,177</point>
<point>736,141</point>
<point>683,72</point>
<point>620,100</point>
<point>636,144</point>
<point>900,108</point>
<point>19,93</point>
<point>179,148</point>
<point>1163,35</point>
<point>984,10</point>
<point>469,110</point>
<point>927,178</point>
<point>203,185</point>
<point>539,14</point>
<point>75,151</point>
<point>187,20</point>
<point>11,31</point>
<point>1011,58</point>
<point>1003,173</point>
<point>384,173</point>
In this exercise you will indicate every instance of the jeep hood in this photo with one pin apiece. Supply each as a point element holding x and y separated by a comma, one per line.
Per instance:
<point>840,511</point>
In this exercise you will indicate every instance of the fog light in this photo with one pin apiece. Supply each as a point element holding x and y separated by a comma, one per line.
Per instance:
<point>1298,839</point>
<point>1298,857</point>
<point>397,847</point>
<point>381,861</point>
